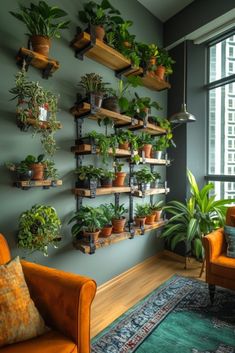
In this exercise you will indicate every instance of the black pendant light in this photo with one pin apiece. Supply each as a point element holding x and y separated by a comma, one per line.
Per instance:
<point>183,116</point>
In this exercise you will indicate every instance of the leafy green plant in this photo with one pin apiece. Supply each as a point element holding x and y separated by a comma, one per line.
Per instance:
<point>107,174</point>
<point>106,144</point>
<point>118,166</point>
<point>39,227</point>
<point>198,216</point>
<point>42,19</point>
<point>165,60</point>
<point>157,206</point>
<point>88,172</point>
<point>144,175</point>
<point>140,106</point>
<point>31,100</point>
<point>50,172</point>
<point>142,210</point>
<point>93,83</point>
<point>107,215</point>
<point>117,211</point>
<point>144,139</point>
<point>147,52</point>
<point>30,159</point>
<point>157,175</point>
<point>88,219</point>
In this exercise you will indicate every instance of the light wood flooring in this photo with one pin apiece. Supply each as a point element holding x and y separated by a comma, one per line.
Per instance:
<point>118,295</point>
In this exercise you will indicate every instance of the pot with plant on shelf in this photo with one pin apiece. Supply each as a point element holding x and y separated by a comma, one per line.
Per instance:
<point>106,178</point>
<point>150,218</point>
<point>42,24</point>
<point>141,212</point>
<point>107,144</point>
<point>157,210</point>
<point>164,64</point>
<point>155,183</point>
<point>148,54</point>
<point>144,177</point>
<point>37,165</point>
<point>145,142</point>
<point>140,107</point>
<point>88,177</point>
<point>118,219</point>
<point>124,139</point>
<point>88,223</point>
<point>107,227</point>
<point>22,170</point>
<point>119,175</point>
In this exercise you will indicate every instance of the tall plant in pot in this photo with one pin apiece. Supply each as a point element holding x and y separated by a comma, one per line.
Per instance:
<point>42,22</point>
<point>145,142</point>
<point>94,87</point>
<point>118,219</point>
<point>99,16</point>
<point>119,175</point>
<point>39,227</point>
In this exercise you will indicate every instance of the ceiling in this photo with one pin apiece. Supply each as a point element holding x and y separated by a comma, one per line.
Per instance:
<point>164,9</point>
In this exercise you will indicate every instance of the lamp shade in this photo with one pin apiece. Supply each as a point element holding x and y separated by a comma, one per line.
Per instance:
<point>182,116</point>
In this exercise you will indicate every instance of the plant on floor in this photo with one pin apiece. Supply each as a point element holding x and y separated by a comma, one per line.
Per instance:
<point>144,176</point>
<point>39,228</point>
<point>41,20</point>
<point>39,105</point>
<point>198,216</point>
<point>106,144</point>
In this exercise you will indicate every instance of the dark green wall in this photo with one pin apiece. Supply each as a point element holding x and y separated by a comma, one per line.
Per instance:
<point>15,145</point>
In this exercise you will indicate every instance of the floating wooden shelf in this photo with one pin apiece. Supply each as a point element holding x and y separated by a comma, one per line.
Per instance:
<point>41,62</point>
<point>87,149</point>
<point>101,191</point>
<point>154,161</point>
<point>42,124</point>
<point>119,119</point>
<point>115,238</point>
<point>111,58</point>
<point>149,192</point>
<point>26,184</point>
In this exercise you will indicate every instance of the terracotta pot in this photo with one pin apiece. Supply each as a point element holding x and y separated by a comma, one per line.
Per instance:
<point>106,231</point>
<point>158,215</point>
<point>95,235</point>
<point>150,219</point>
<point>99,32</point>
<point>160,72</point>
<point>111,103</point>
<point>38,171</point>
<point>41,44</point>
<point>147,150</point>
<point>126,44</point>
<point>139,221</point>
<point>120,179</point>
<point>118,225</point>
<point>124,146</point>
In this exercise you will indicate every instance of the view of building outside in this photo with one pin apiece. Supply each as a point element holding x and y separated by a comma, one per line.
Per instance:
<point>222,116</point>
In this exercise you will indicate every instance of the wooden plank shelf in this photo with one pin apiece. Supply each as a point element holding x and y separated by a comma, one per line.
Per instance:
<point>115,238</point>
<point>26,184</point>
<point>111,58</point>
<point>101,191</point>
<point>83,109</point>
<point>41,62</point>
<point>149,192</point>
<point>154,161</point>
<point>42,124</point>
<point>87,149</point>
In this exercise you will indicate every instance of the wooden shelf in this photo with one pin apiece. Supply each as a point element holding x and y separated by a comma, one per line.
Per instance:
<point>154,161</point>
<point>149,192</point>
<point>42,124</point>
<point>41,62</point>
<point>26,184</point>
<point>115,238</point>
<point>87,149</point>
<point>101,191</point>
<point>114,60</point>
<point>83,109</point>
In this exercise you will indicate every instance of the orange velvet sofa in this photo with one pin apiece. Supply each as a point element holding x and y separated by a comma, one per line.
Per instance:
<point>220,269</point>
<point>64,300</point>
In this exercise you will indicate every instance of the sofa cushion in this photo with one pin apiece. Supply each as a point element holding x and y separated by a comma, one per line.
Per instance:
<point>223,266</point>
<point>51,342</point>
<point>230,239</point>
<point>19,318</point>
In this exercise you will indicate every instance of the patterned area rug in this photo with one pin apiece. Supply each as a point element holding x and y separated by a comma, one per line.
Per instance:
<point>175,318</point>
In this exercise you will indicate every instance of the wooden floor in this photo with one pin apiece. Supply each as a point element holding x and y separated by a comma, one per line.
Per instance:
<point>118,295</point>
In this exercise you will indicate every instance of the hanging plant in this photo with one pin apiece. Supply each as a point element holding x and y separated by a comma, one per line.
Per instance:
<point>36,107</point>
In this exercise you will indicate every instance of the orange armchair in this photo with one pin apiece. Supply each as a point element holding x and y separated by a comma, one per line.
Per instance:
<point>220,269</point>
<point>63,300</point>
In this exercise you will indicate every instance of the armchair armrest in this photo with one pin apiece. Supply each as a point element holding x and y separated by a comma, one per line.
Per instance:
<point>214,244</point>
<point>64,301</point>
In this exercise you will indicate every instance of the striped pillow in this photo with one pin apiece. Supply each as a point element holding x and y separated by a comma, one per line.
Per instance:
<point>19,318</point>
<point>230,239</point>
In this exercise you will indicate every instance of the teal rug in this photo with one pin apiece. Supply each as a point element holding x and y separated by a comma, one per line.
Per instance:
<point>175,318</point>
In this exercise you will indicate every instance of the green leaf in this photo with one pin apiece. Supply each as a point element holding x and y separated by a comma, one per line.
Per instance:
<point>192,229</point>
<point>177,239</point>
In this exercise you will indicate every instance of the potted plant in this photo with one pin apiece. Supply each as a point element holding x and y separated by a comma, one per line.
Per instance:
<point>145,141</point>
<point>119,175</point>
<point>36,164</point>
<point>150,218</point>
<point>107,227</point>
<point>22,169</point>
<point>39,106</point>
<point>89,221</point>
<point>155,183</point>
<point>140,107</point>
<point>141,212</point>
<point>39,227</point>
<point>118,220</point>
<point>164,64</point>
<point>106,144</point>
<point>106,178</point>
<point>98,16</point>
<point>148,54</point>
<point>157,210</point>
<point>42,22</point>
<point>88,176</point>
<point>50,172</point>
<point>124,138</point>
<point>144,178</point>
<point>94,88</point>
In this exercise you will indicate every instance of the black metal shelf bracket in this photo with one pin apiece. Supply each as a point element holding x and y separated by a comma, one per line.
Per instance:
<point>47,72</point>
<point>120,72</point>
<point>79,53</point>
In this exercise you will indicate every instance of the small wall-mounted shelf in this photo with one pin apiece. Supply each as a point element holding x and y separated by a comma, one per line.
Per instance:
<point>149,192</point>
<point>101,191</point>
<point>45,184</point>
<point>28,57</point>
<point>115,238</point>
<point>93,48</point>
<point>84,109</point>
<point>87,149</point>
<point>42,124</point>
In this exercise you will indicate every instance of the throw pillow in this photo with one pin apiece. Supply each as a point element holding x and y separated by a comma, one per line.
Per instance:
<point>230,239</point>
<point>19,318</point>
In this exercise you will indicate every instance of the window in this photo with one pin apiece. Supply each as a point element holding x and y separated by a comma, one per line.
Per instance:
<point>221,116</point>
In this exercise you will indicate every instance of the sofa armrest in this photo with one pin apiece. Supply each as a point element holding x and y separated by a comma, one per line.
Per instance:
<point>214,244</point>
<point>64,301</point>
